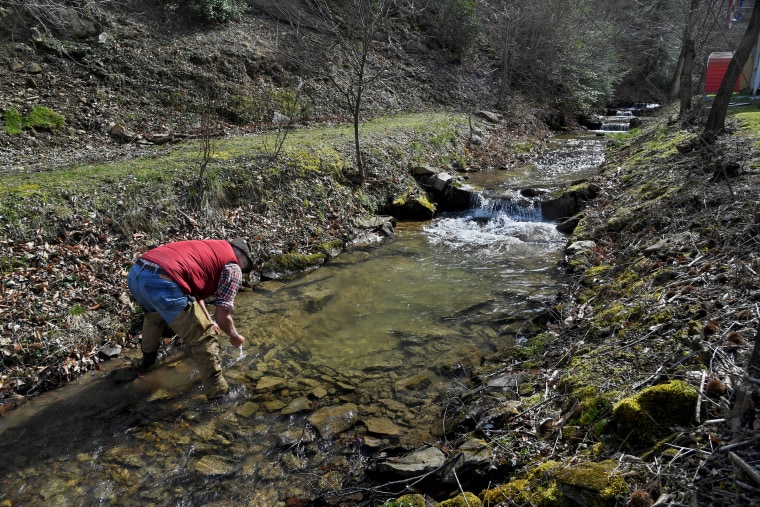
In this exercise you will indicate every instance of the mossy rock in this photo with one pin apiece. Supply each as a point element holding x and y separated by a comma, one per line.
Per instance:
<point>591,484</point>
<point>332,248</point>
<point>466,499</point>
<point>412,500</point>
<point>537,488</point>
<point>517,492</point>
<point>280,266</point>
<point>640,419</point>
<point>412,206</point>
<point>553,484</point>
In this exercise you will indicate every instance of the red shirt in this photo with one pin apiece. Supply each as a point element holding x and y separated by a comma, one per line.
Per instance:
<point>195,265</point>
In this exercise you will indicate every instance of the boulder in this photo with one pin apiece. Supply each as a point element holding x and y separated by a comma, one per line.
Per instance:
<point>570,202</point>
<point>413,207</point>
<point>470,461</point>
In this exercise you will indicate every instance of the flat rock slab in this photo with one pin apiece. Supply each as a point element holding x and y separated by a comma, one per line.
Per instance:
<point>331,421</point>
<point>419,462</point>
<point>382,426</point>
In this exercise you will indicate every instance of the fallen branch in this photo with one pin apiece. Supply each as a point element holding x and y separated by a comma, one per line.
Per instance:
<point>751,472</point>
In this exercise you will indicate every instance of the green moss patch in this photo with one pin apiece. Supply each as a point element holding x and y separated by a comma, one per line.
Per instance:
<point>14,122</point>
<point>592,484</point>
<point>412,500</point>
<point>44,118</point>
<point>640,419</point>
<point>552,484</point>
<point>463,500</point>
<point>39,118</point>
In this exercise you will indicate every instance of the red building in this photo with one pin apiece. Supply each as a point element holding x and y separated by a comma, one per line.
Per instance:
<point>717,64</point>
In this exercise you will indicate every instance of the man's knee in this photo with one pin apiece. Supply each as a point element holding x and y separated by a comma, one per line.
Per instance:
<point>152,331</point>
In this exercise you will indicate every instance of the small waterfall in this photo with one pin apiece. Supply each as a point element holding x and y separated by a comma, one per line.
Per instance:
<point>518,210</point>
<point>620,122</point>
<point>623,119</point>
<point>616,126</point>
<point>493,224</point>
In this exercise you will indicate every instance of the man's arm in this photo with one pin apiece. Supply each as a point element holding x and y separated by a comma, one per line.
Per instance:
<point>224,319</point>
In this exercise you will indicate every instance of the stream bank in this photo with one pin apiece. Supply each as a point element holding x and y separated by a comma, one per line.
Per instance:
<point>642,387</point>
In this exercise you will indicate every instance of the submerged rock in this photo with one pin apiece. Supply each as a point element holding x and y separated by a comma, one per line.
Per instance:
<point>213,465</point>
<point>382,426</point>
<point>298,405</point>
<point>332,421</point>
<point>419,462</point>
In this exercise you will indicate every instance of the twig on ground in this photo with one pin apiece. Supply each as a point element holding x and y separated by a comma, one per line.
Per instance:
<point>461,489</point>
<point>751,472</point>
<point>699,396</point>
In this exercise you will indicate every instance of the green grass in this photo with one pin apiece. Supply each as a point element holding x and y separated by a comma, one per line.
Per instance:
<point>750,120</point>
<point>316,149</point>
<point>142,194</point>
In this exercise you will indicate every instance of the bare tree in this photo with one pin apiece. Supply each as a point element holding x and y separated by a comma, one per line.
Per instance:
<point>551,48</point>
<point>348,58</point>
<point>699,23</point>
<point>292,105</point>
<point>717,117</point>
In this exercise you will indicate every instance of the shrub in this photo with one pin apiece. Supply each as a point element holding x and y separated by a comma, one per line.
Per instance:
<point>240,109</point>
<point>218,11</point>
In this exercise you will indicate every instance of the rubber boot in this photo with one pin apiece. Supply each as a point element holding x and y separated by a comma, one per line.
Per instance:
<point>152,331</point>
<point>148,360</point>
<point>197,331</point>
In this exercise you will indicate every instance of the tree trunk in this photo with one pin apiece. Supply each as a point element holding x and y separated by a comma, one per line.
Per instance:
<point>681,84</point>
<point>357,146</point>
<point>717,118</point>
<point>684,93</point>
<point>675,84</point>
<point>754,361</point>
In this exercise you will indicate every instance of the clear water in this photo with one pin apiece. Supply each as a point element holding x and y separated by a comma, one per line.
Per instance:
<point>444,295</point>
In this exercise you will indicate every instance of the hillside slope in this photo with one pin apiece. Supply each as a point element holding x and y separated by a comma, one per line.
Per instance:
<point>151,68</point>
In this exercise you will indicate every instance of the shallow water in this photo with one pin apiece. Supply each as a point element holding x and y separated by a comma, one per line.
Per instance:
<point>362,330</point>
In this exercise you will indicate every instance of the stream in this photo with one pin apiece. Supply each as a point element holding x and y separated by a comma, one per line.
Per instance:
<point>339,364</point>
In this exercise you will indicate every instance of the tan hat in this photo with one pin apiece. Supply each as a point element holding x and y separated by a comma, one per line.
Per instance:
<point>242,245</point>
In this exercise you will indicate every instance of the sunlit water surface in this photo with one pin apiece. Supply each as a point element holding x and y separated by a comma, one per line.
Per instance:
<point>443,295</point>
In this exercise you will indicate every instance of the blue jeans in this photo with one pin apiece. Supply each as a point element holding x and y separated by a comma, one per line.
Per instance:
<point>155,294</point>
